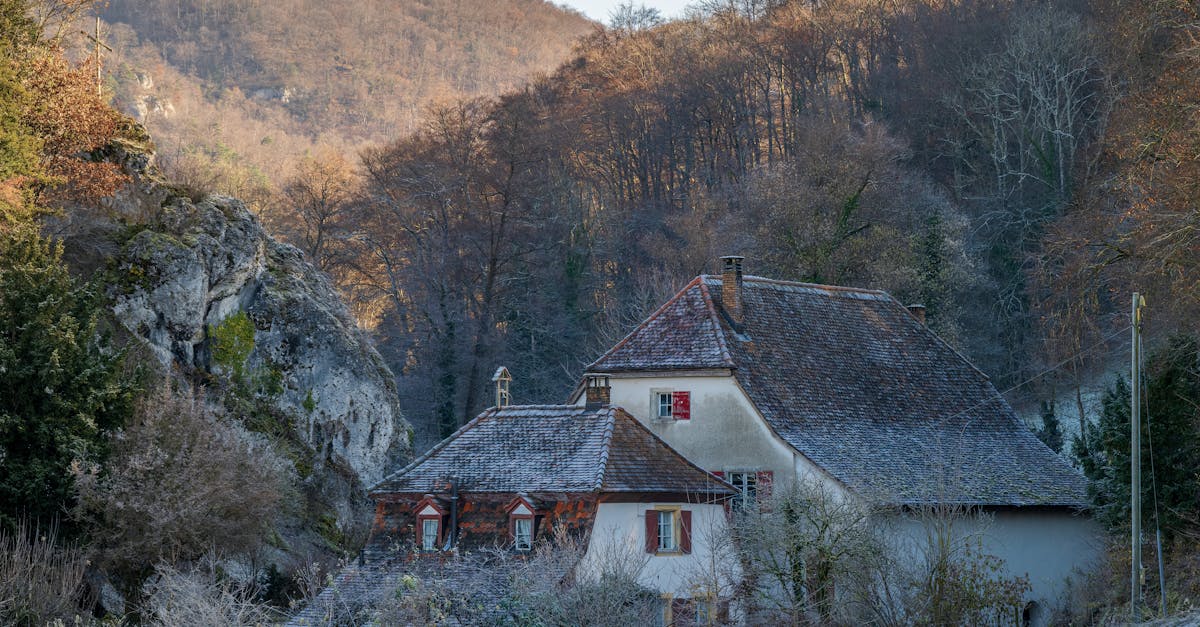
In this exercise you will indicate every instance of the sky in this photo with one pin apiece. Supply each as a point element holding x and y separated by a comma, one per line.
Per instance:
<point>599,9</point>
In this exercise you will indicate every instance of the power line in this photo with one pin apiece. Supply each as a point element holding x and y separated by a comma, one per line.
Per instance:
<point>1103,341</point>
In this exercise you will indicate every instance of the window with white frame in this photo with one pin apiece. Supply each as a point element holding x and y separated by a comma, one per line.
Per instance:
<point>429,533</point>
<point>664,405</point>
<point>746,483</point>
<point>522,534</point>
<point>668,540</point>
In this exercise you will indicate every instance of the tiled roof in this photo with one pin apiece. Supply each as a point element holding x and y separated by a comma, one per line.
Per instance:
<point>684,333</point>
<point>853,382</point>
<point>553,448</point>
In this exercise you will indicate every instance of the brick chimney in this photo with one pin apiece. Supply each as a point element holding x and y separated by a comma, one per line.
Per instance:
<point>731,288</point>
<point>599,392</point>
<point>918,312</point>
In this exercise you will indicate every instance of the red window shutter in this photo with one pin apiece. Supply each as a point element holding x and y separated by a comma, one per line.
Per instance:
<point>720,474</point>
<point>685,539</point>
<point>765,481</point>
<point>651,531</point>
<point>681,405</point>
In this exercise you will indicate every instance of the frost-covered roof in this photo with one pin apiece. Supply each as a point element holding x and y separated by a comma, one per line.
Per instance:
<point>553,448</point>
<point>861,388</point>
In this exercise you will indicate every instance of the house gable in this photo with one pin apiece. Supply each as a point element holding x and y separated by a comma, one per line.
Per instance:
<point>856,385</point>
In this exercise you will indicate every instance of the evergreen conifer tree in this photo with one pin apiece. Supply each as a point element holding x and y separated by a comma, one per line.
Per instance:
<point>1050,432</point>
<point>1170,443</point>
<point>62,387</point>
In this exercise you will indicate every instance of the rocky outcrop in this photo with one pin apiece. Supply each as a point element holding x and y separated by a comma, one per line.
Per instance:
<point>196,264</point>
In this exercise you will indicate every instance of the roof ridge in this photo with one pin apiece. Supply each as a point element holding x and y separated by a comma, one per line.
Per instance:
<point>436,448</point>
<point>605,446</point>
<point>803,284</point>
<point>716,320</point>
<point>638,328</point>
<point>539,406</point>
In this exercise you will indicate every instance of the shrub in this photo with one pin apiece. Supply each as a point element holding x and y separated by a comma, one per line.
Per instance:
<point>181,482</point>
<point>39,581</point>
<point>200,597</point>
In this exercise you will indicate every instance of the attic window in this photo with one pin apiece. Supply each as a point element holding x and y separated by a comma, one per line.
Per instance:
<point>672,405</point>
<point>664,405</point>
<point>521,523</point>
<point>429,524</point>
<point>522,533</point>
<point>429,533</point>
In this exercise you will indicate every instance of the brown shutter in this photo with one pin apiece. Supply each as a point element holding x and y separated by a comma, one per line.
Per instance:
<point>651,531</point>
<point>765,481</point>
<point>685,540</point>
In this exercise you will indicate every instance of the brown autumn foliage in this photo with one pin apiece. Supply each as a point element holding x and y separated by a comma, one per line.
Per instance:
<point>236,92</point>
<point>64,111</point>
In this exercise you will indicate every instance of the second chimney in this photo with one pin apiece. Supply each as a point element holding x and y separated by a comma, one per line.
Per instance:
<point>918,312</point>
<point>731,288</point>
<point>598,392</point>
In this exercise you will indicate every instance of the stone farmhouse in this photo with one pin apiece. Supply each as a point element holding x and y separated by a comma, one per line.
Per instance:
<point>766,383</point>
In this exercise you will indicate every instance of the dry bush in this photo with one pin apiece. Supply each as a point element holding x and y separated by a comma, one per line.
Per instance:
<point>39,580</point>
<point>181,481</point>
<point>816,555</point>
<point>198,596</point>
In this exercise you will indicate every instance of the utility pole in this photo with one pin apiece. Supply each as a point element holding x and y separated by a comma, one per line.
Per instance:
<point>1135,458</point>
<point>99,44</point>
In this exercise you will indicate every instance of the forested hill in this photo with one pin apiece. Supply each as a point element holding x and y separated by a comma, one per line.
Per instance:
<point>1018,167</point>
<point>234,90</point>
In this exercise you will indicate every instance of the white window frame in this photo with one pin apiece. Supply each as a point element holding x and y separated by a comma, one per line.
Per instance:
<point>523,541</point>
<point>746,481</point>
<point>668,534</point>
<point>429,541</point>
<point>657,406</point>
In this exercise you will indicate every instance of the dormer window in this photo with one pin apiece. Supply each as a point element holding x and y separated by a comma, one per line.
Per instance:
<point>429,529</point>
<point>522,515</point>
<point>522,534</point>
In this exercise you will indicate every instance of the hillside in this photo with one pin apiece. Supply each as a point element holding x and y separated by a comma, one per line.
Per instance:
<point>235,90</point>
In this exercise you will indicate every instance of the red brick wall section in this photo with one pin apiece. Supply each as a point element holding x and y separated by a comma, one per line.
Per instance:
<point>483,520</point>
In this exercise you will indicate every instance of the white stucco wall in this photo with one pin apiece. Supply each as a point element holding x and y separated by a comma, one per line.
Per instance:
<point>725,431</point>
<point>1051,547</point>
<point>618,541</point>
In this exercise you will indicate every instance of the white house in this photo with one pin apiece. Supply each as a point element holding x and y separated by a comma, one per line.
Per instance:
<point>764,381</point>
<point>517,477</point>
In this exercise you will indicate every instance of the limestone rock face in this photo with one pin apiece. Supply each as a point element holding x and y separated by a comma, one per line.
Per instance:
<point>201,263</point>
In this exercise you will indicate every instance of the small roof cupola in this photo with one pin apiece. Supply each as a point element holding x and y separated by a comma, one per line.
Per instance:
<point>502,379</point>
<point>731,288</point>
<point>598,392</point>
